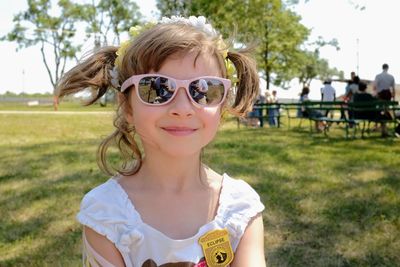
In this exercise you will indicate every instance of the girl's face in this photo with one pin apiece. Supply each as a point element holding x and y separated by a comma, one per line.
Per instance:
<point>178,128</point>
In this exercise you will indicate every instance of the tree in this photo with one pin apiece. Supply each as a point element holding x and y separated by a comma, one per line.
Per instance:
<point>315,67</point>
<point>277,30</point>
<point>281,40</point>
<point>39,25</point>
<point>108,18</point>
<point>174,7</point>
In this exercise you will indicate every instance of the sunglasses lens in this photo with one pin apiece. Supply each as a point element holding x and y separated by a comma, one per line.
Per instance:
<point>156,89</point>
<point>207,91</point>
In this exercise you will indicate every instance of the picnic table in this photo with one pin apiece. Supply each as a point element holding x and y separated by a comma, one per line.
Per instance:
<point>352,115</point>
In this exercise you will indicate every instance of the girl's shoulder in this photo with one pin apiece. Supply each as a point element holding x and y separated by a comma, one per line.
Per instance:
<point>107,210</point>
<point>239,204</point>
<point>238,192</point>
<point>108,193</point>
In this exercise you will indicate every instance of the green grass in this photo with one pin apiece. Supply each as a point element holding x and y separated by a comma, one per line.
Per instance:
<point>329,201</point>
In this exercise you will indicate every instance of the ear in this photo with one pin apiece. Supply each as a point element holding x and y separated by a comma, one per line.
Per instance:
<point>126,108</point>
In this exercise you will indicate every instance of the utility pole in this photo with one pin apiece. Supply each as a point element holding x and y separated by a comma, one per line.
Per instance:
<point>358,57</point>
<point>23,80</point>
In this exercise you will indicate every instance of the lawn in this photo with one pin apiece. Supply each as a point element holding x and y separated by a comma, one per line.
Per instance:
<point>329,201</point>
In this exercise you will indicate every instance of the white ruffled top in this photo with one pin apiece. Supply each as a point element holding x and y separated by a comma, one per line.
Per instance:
<point>108,210</point>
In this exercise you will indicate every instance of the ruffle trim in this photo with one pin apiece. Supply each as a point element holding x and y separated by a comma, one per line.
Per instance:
<point>120,227</point>
<point>239,205</point>
<point>123,237</point>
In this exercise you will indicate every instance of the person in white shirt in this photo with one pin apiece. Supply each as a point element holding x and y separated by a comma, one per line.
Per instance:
<point>384,85</point>
<point>328,93</point>
<point>273,111</point>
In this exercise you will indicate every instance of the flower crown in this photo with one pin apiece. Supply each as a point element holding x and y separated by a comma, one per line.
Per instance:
<point>199,23</point>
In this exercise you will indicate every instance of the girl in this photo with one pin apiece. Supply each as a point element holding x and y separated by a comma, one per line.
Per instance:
<point>164,207</point>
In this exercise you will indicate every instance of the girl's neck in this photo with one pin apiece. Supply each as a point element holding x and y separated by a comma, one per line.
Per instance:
<point>177,174</point>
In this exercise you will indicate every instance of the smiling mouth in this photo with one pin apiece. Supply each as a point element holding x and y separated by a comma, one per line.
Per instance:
<point>179,131</point>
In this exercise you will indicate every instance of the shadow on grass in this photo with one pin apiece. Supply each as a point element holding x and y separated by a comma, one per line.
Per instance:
<point>39,196</point>
<point>329,201</point>
<point>58,250</point>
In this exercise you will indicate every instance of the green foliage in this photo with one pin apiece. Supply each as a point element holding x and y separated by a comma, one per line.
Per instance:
<point>277,31</point>
<point>52,31</point>
<point>312,67</point>
<point>104,16</point>
<point>174,8</point>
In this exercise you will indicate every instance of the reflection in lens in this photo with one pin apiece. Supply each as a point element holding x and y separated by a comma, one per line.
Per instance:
<point>207,91</point>
<point>203,86</point>
<point>156,89</point>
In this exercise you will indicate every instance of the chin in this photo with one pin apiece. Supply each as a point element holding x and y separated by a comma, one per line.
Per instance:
<point>179,151</point>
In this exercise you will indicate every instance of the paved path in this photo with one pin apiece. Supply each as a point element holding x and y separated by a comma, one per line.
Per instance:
<point>54,112</point>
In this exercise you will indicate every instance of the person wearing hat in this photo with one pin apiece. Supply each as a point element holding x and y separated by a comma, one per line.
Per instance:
<point>328,93</point>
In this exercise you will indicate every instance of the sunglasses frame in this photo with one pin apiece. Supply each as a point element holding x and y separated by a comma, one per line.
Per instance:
<point>135,79</point>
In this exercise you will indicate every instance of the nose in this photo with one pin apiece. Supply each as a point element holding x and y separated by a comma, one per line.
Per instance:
<point>181,105</point>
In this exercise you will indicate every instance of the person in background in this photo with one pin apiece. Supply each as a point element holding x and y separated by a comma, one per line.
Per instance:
<point>384,84</point>
<point>273,111</point>
<point>306,113</point>
<point>328,94</point>
<point>384,87</point>
<point>352,89</point>
<point>302,112</point>
<point>362,97</point>
<point>347,89</point>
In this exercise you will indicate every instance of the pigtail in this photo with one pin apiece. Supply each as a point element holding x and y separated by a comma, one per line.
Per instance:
<point>93,73</point>
<point>123,138</point>
<point>247,87</point>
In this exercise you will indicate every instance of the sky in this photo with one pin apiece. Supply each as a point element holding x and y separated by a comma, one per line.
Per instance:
<point>367,39</point>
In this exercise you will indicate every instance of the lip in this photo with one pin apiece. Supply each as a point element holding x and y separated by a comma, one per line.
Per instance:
<point>178,130</point>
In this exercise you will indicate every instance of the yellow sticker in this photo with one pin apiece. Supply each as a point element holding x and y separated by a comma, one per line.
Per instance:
<point>217,248</point>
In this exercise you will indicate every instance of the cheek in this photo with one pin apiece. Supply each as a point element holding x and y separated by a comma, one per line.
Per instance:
<point>139,110</point>
<point>143,116</point>
<point>212,118</point>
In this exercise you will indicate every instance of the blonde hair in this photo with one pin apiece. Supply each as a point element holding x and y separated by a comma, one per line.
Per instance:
<point>148,52</point>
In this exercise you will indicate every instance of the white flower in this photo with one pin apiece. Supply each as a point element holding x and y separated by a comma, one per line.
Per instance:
<point>196,22</point>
